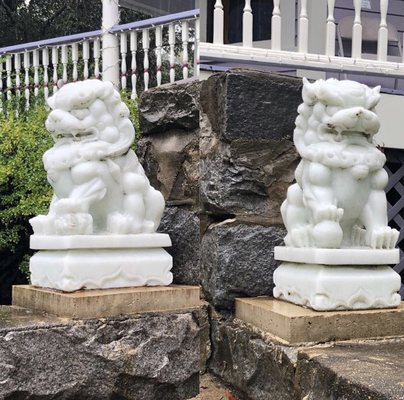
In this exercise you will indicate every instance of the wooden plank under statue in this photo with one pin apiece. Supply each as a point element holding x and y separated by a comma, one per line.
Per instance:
<point>100,231</point>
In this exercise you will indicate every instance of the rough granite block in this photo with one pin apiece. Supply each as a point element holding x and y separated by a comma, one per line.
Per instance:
<point>183,226</point>
<point>171,106</point>
<point>251,105</point>
<point>142,357</point>
<point>237,261</point>
<point>260,370</point>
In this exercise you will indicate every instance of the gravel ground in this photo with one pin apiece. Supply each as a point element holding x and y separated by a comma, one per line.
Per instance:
<point>212,389</point>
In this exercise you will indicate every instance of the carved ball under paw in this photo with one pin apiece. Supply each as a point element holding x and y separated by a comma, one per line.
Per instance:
<point>74,224</point>
<point>328,234</point>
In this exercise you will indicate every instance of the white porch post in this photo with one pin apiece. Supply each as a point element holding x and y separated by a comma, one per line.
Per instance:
<point>110,42</point>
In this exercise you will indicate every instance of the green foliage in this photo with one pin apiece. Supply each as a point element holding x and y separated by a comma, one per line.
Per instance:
<point>27,21</point>
<point>24,190</point>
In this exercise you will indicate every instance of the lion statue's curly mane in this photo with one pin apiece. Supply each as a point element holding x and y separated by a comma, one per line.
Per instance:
<point>99,184</point>
<point>338,199</point>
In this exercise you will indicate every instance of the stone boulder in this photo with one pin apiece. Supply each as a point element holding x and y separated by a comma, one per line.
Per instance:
<point>183,227</point>
<point>259,369</point>
<point>171,162</point>
<point>248,179</point>
<point>171,106</point>
<point>251,105</point>
<point>237,260</point>
<point>149,356</point>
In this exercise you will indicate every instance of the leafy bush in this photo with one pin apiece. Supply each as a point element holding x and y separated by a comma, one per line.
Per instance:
<point>24,190</point>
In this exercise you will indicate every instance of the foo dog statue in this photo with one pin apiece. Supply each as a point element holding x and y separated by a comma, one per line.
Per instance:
<point>338,199</point>
<point>99,185</point>
<point>338,246</point>
<point>100,231</point>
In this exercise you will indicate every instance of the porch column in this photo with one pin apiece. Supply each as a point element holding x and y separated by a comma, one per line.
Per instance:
<point>110,43</point>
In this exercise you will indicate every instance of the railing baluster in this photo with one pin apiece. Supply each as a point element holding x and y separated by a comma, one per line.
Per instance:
<point>146,45</point>
<point>17,66</point>
<point>45,63</point>
<point>218,22</point>
<point>171,41</point>
<point>276,26</point>
<point>159,41</point>
<point>402,49</point>
<point>55,61</point>
<point>247,24</point>
<point>124,50</point>
<point>86,57</point>
<point>331,30</point>
<point>185,40</point>
<point>133,49</point>
<point>96,52</point>
<point>75,59</point>
<point>26,81</point>
<point>8,71</point>
<point>35,63</point>
<point>383,36</point>
<point>303,28</point>
<point>357,31</point>
<point>64,63</point>
<point>196,51</point>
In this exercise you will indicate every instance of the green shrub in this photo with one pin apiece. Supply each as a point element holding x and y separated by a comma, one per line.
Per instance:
<point>24,190</point>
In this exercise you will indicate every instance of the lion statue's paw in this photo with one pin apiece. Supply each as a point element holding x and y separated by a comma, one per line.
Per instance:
<point>123,224</point>
<point>43,224</point>
<point>328,213</point>
<point>382,238</point>
<point>300,237</point>
<point>74,224</point>
<point>358,237</point>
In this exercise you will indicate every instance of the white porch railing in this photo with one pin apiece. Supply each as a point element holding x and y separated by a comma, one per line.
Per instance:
<point>152,52</point>
<point>329,58</point>
<point>165,49</point>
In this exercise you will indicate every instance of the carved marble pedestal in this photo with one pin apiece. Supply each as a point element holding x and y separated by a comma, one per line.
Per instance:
<point>337,279</point>
<point>71,263</point>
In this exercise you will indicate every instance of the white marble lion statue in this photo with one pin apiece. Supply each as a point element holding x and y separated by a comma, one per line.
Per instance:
<point>99,185</point>
<point>338,199</point>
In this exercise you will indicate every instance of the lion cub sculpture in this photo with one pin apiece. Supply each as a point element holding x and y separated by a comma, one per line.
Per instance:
<point>99,184</point>
<point>338,199</point>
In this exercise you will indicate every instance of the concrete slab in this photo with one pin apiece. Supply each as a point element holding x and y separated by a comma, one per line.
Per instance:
<point>292,324</point>
<point>107,302</point>
<point>353,370</point>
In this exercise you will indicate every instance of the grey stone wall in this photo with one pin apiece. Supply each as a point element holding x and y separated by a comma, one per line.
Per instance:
<point>221,152</point>
<point>169,151</point>
<point>144,357</point>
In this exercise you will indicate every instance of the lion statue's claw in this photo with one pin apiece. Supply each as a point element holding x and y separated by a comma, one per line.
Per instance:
<point>383,238</point>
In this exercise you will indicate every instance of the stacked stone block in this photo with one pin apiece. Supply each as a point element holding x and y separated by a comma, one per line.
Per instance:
<point>221,152</point>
